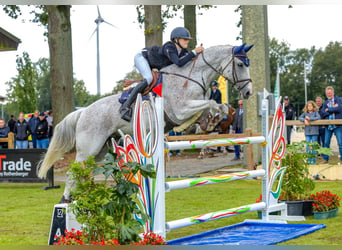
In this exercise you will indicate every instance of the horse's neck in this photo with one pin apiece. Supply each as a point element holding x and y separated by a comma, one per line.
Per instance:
<point>201,70</point>
<point>214,56</point>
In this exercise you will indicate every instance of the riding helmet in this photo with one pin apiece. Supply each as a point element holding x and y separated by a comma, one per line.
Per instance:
<point>214,83</point>
<point>180,32</point>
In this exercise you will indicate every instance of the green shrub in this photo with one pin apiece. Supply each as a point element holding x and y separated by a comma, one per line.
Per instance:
<point>106,211</point>
<point>297,183</point>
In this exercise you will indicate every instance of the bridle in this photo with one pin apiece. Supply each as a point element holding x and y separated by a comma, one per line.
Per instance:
<point>220,72</point>
<point>234,74</point>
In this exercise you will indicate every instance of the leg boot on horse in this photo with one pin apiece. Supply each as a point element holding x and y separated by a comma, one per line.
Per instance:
<point>126,110</point>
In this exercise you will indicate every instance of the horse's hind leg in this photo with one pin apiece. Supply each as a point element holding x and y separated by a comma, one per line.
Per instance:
<point>84,149</point>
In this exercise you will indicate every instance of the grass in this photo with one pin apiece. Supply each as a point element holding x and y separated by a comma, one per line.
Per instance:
<point>25,215</point>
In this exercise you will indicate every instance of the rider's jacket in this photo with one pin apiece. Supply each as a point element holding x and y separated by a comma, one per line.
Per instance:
<point>159,57</point>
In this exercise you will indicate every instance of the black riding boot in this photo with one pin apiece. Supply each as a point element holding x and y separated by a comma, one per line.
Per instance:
<point>126,110</point>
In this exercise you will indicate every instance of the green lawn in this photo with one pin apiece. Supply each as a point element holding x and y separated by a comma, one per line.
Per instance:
<point>25,214</point>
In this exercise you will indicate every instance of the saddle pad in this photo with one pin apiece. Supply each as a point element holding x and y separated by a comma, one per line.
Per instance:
<point>155,86</point>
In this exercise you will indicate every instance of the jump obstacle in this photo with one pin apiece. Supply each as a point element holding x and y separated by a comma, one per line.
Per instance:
<point>148,146</point>
<point>273,144</point>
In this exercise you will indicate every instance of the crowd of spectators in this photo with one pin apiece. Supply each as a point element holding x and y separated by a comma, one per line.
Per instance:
<point>330,109</point>
<point>31,132</point>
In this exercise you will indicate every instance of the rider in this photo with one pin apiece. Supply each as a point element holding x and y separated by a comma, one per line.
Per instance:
<point>172,52</point>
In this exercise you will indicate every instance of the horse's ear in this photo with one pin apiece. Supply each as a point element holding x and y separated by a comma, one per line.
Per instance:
<point>246,49</point>
<point>239,48</point>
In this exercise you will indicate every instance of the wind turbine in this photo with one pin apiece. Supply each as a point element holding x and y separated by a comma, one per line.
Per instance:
<point>98,21</point>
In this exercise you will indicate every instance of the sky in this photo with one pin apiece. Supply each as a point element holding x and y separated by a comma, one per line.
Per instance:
<point>302,26</point>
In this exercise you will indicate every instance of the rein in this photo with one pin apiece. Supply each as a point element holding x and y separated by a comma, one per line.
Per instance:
<point>234,74</point>
<point>220,72</point>
<point>187,79</point>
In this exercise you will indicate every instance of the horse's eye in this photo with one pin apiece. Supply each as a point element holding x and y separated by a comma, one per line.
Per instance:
<point>240,64</point>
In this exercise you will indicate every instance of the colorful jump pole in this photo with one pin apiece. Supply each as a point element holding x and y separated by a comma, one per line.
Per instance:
<point>213,143</point>
<point>214,216</point>
<point>171,185</point>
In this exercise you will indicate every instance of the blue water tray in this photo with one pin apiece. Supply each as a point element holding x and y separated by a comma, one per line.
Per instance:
<point>249,233</point>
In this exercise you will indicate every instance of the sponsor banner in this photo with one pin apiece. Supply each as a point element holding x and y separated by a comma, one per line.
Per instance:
<point>20,165</point>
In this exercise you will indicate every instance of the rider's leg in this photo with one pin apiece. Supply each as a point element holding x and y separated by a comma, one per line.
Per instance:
<point>141,63</point>
<point>126,110</point>
<point>144,68</point>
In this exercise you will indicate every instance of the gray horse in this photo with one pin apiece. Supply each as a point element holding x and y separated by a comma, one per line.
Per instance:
<point>185,93</point>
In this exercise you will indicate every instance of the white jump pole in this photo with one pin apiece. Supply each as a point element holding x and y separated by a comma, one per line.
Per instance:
<point>159,217</point>
<point>214,142</point>
<point>171,185</point>
<point>214,215</point>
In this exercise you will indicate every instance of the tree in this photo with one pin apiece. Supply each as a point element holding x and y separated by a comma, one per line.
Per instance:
<point>133,75</point>
<point>279,54</point>
<point>82,96</point>
<point>60,46</point>
<point>56,18</point>
<point>291,64</point>
<point>255,30</point>
<point>22,90</point>
<point>153,25</point>
<point>190,23</point>
<point>189,12</point>
<point>327,69</point>
<point>171,11</point>
<point>43,84</point>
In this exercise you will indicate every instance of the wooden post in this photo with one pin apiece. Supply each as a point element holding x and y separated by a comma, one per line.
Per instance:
<point>249,151</point>
<point>10,140</point>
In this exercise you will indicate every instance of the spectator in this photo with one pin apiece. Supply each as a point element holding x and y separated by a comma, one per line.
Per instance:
<point>217,97</point>
<point>4,130</point>
<point>22,130</point>
<point>332,109</point>
<point>311,131</point>
<point>50,123</point>
<point>172,133</point>
<point>11,123</point>
<point>290,115</point>
<point>238,127</point>
<point>321,130</point>
<point>33,124</point>
<point>41,132</point>
<point>215,93</point>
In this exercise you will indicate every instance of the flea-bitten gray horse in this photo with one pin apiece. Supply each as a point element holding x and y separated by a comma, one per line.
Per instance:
<point>88,129</point>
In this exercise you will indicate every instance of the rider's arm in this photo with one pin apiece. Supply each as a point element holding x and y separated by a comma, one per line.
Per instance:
<point>172,54</point>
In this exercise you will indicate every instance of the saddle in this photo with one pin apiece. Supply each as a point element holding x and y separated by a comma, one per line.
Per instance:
<point>155,87</point>
<point>131,83</point>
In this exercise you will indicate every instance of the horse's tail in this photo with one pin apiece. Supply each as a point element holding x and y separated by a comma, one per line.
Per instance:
<point>63,141</point>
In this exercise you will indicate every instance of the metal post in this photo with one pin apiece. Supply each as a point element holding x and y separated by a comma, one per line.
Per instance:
<point>159,220</point>
<point>265,180</point>
<point>98,74</point>
<point>305,85</point>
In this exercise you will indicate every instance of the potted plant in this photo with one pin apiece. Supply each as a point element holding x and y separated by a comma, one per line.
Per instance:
<point>297,184</point>
<point>325,204</point>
